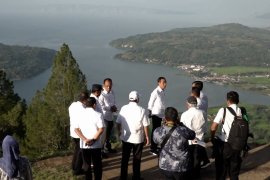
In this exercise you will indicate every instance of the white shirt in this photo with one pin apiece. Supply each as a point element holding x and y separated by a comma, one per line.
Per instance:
<point>157,102</point>
<point>202,105</point>
<point>98,106</point>
<point>229,118</point>
<point>133,119</point>
<point>193,118</point>
<point>107,100</point>
<point>75,110</point>
<point>89,124</point>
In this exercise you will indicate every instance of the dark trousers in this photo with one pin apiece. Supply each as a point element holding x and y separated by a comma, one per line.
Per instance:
<point>137,154</point>
<point>77,160</point>
<point>228,161</point>
<point>170,175</point>
<point>156,122</point>
<point>197,156</point>
<point>94,155</point>
<point>109,127</point>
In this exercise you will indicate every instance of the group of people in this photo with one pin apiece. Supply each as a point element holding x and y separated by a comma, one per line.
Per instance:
<point>177,141</point>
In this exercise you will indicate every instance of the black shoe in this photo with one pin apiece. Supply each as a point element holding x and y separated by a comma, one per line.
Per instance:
<point>205,164</point>
<point>154,152</point>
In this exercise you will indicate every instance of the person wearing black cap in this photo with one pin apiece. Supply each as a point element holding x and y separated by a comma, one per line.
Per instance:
<point>132,124</point>
<point>193,118</point>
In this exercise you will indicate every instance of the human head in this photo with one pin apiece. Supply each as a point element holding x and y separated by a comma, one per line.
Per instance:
<point>171,114</point>
<point>232,97</point>
<point>191,102</point>
<point>96,89</point>
<point>107,84</point>
<point>83,96</point>
<point>91,102</point>
<point>198,84</point>
<point>134,96</point>
<point>195,91</point>
<point>11,152</point>
<point>162,82</point>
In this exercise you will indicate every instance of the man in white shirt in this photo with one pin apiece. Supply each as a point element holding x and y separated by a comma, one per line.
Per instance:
<point>193,118</point>
<point>156,107</point>
<point>203,96</point>
<point>89,129</point>
<point>75,110</point>
<point>227,160</point>
<point>108,105</point>
<point>133,127</point>
<point>95,93</point>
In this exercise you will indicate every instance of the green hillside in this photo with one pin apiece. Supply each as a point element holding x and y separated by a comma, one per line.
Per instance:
<point>220,45</point>
<point>21,62</point>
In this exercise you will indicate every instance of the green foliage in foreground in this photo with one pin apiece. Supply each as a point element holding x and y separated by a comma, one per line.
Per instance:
<point>12,109</point>
<point>21,62</point>
<point>259,116</point>
<point>47,119</point>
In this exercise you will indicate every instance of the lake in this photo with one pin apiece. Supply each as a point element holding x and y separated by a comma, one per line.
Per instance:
<point>88,38</point>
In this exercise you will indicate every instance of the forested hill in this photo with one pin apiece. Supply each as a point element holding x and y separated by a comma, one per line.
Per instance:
<point>21,62</point>
<point>220,45</point>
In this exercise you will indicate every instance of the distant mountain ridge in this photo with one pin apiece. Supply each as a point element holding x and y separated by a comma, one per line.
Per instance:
<point>220,45</point>
<point>21,62</point>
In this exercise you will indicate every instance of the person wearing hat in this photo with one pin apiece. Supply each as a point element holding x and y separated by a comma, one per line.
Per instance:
<point>193,118</point>
<point>132,124</point>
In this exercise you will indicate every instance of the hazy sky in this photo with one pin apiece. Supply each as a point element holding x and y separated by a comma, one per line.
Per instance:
<point>208,12</point>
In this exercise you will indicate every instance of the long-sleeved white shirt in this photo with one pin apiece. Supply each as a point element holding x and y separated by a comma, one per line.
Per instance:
<point>107,100</point>
<point>157,102</point>
<point>193,118</point>
<point>98,106</point>
<point>75,110</point>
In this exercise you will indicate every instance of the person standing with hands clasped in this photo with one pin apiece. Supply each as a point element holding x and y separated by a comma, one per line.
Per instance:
<point>156,107</point>
<point>175,158</point>
<point>132,124</point>
<point>90,128</point>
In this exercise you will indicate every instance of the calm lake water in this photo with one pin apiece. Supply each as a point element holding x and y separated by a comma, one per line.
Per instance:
<point>88,38</point>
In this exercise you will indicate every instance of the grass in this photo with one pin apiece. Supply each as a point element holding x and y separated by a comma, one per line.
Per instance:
<point>235,70</point>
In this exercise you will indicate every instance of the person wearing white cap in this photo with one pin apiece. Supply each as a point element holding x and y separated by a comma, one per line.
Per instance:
<point>132,124</point>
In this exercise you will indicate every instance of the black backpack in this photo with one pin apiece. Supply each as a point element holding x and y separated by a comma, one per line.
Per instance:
<point>239,131</point>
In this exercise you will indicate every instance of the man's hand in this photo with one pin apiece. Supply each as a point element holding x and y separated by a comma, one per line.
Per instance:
<point>147,141</point>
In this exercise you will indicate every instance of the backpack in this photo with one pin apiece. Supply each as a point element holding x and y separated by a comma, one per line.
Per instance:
<point>239,131</point>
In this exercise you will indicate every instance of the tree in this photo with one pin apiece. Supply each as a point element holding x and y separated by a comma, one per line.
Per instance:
<point>47,117</point>
<point>12,109</point>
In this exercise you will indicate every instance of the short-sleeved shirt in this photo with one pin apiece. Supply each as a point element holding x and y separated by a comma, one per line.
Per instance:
<point>193,118</point>
<point>157,102</point>
<point>75,110</point>
<point>133,119</point>
<point>175,155</point>
<point>229,118</point>
<point>89,124</point>
<point>107,100</point>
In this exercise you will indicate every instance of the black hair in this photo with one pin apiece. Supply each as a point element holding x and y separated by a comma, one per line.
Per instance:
<point>107,79</point>
<point>160,78</point>
<point>83,96</point>
<point>96,87</point>
<point>233,97</point>
<point>172,114</point>
<point>195,91</point>
<point>91,101</point>
<point>198,84</point>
